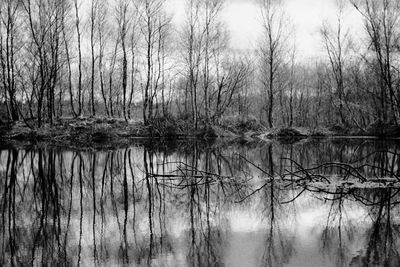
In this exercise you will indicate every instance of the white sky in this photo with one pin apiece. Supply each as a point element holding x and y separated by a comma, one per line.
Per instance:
<point>242,20</point>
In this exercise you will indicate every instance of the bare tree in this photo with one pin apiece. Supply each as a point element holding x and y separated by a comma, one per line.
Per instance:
<point>8,17</point>
<point>101,30</point>
<point>134,41</point>
<point>45,25</point>
<point>111,70</point>
<point>212,10</point>
<point>78,32</point>
<point>192,46</point>
<point>271,50</point>
<point>123,25</point>
<point>93,19</point>
<point>66,38</point>
<point>232,75</point>
<point>336,43</point>
<point>154,26</point>
<point>292,83</point>
<point>381,21</point>
<point>9,12</point>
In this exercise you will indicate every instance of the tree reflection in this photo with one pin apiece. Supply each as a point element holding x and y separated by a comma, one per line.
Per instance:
<point>333,242</point>
<point>146,206</point>
<point>382,238</point>
<point>278,246</point>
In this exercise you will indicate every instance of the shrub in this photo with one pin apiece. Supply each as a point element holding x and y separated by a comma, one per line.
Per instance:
<point>241,124</point>
<point>288,132</point>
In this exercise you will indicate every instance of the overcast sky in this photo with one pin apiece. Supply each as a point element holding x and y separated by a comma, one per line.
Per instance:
<point>242,18</point>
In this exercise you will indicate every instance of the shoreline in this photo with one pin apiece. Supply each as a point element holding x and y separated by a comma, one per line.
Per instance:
<point>89,132</point>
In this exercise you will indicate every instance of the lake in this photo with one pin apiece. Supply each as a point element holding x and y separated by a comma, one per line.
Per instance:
<point>202,204</point>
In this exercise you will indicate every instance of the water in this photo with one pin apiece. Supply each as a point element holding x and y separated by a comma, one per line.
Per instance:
<point>196,204</point>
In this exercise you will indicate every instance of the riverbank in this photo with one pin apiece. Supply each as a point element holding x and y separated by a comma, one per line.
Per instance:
<point>95,131</point>
<point>107,132</point>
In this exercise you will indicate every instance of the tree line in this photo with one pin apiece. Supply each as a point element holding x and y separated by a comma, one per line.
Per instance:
<point>128,59</point>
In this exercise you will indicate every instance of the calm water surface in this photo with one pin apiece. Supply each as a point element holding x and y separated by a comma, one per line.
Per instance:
<point>197,204</point>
